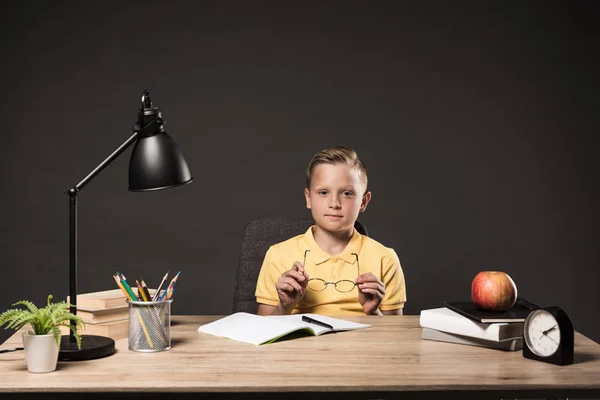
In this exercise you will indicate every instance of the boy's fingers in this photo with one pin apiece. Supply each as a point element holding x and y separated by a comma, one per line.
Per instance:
<point>368,277</point>
<point>284,284</point>
<point>304,283</point>
<point>292,282</point>
<point>298,267</point>
<point>298,276</point>
<point>373,286</point>
<point>284,288</point>
<point>373,292</point>
<point>370,285</point>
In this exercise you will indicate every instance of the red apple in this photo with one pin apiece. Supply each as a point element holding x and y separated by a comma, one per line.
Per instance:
<point>493,291</point>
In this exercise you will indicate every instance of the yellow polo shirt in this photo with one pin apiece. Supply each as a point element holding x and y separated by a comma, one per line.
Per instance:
<point>372,257</point>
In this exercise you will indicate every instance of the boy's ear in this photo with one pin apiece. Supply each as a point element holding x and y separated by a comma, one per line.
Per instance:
<point>365,201</point>
<point>307,197</point>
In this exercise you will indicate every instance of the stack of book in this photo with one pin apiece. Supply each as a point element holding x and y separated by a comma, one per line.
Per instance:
<point>105,313</point>
<point>462,323</point>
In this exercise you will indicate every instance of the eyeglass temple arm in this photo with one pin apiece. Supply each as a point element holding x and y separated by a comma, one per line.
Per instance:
<point>357,263</point>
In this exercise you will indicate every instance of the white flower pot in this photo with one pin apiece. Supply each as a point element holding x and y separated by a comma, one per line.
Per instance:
<point>41,352</point>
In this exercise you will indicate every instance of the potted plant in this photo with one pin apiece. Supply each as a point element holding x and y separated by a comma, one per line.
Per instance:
<point>42,343</point>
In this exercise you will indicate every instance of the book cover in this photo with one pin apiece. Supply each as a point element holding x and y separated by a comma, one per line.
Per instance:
<point>516,313</point>
<point>94,319</point>
<point>257,329</point>
<point>100,315</point>
<point>445,320</point>
<point>439,336</point>
<point>104,299</point>
<point>101,311</point>
<point>115,330</point>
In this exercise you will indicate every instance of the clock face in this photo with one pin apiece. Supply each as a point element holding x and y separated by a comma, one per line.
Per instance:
<point>542,334</point>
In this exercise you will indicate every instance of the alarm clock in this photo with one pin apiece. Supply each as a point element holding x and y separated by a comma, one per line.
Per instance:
<point>548,336</point>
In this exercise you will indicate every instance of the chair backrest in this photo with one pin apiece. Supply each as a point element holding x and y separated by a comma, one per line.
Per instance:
<point>259,235</point>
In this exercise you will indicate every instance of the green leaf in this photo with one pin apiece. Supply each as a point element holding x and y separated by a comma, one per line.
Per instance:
<point>21,319</point>
<point>77,337</point>
<point>56,333</point>
<point>9,316</point>
<point>27,304</point>
<point>43,320</point>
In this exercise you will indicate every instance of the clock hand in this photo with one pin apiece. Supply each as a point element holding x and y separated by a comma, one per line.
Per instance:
<point>550,337</point>
<point>549,330</point>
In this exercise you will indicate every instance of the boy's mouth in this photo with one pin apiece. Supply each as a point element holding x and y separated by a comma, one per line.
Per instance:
<point>333,215</point>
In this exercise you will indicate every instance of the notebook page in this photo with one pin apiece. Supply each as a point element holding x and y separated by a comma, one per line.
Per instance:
<point>250,328</point>
<point>338,324</point>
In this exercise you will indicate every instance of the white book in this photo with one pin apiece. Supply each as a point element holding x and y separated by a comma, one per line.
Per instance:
<point>257,329</point>
<point>446,320</point>
<point>508,345</point>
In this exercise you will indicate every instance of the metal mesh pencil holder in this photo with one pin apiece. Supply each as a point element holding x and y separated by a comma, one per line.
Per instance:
<point>149,325</point>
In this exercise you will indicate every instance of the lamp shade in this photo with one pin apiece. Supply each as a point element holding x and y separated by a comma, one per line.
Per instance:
<point>156,163</point>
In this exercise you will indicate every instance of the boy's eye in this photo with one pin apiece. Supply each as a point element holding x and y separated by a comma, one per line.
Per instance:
<point>347,193</point>
<point>322,192</point>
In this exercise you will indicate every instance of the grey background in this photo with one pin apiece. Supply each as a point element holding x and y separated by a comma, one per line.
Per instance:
<point>474,119</point>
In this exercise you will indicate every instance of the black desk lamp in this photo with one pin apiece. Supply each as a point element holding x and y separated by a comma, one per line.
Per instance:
<point>156,163</point>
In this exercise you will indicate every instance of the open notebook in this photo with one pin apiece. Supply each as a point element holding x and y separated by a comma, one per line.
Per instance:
<point>257,330</point>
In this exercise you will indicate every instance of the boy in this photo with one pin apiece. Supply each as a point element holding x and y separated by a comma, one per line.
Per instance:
<point>342,272</point>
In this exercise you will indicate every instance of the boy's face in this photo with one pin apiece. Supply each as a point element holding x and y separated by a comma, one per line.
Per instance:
<point>335,196</point>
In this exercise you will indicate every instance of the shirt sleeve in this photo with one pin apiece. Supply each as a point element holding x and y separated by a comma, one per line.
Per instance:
<point>392,277</point>
<point>271,270</point>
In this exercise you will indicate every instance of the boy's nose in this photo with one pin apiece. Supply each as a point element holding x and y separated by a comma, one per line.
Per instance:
<point>335,203</point>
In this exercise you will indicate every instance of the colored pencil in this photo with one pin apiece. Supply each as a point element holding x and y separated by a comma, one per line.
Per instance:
<point>160,286</point>
<point>121,287</point>
<point>127,287</point>
<point>145,291</point>
<point>140,294</point>
<point>170,287</point>
<point>164,293</point>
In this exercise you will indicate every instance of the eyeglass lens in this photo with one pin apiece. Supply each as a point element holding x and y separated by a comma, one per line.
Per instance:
<point>343,285</point>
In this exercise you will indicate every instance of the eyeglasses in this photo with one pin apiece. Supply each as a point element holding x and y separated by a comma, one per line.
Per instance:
<point>343,285</point>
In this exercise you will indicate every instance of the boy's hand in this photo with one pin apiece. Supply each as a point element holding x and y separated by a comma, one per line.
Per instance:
<point>370,293</point>
<point>291,286</point>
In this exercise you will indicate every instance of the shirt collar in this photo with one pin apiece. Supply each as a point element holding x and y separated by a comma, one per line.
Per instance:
<point>319,256</point>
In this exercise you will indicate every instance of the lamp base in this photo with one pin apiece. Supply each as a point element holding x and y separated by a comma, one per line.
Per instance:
<point>91,347</point>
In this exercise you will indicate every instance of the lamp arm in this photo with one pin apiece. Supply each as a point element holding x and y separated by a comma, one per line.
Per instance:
<point>73,222</point>
<point>107,161</point>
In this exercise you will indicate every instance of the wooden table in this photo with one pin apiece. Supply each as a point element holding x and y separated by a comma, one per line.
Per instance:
<point>385,361</point>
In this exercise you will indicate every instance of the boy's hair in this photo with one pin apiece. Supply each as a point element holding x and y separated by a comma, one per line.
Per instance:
<point>334,155</point>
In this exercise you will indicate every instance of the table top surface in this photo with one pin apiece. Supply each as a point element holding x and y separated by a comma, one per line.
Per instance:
<point>389,356</point>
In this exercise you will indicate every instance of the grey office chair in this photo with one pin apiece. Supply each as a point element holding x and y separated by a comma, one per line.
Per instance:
<point>259,235</point>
